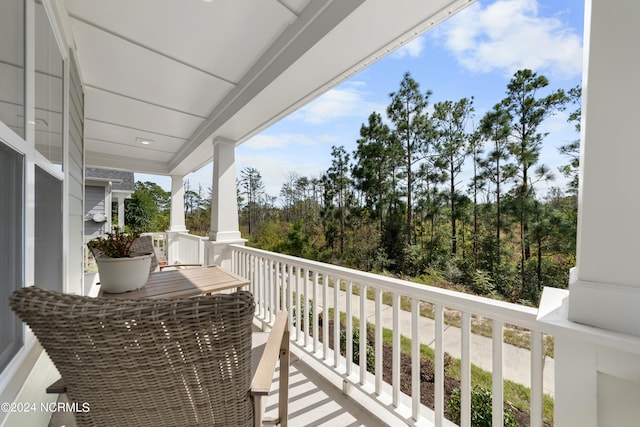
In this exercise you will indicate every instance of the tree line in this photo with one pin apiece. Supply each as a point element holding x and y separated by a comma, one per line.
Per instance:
<point>402,202</point>
<point>429,193</point>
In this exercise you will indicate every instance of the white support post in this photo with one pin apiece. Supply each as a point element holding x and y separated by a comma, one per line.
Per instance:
<point>121,212</point>
<point>225,227</point>
<point>224,200</point>
<point>596,325</point>
<point>177,220</point>
<point>605,290</point>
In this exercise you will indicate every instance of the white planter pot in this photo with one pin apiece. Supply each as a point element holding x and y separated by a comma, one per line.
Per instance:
<point>123,274</point>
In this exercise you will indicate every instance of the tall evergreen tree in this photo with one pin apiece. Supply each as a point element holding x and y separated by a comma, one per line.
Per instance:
<point>528,110</point>
<point>407,112</point>
<point>372,170</point>
<point>495,128</point>
<point>337,183</point>
<point>572,149</point>
<point>451,146</point>
<point>253,188</point>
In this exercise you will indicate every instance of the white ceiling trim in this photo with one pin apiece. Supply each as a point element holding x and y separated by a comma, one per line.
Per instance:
<point>150,49</point>
<point>315,21</point>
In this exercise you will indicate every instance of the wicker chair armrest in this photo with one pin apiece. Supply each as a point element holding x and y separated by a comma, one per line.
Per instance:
<point>277,347</point>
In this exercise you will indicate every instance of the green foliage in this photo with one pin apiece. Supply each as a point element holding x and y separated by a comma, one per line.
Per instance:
<point>481,409</point>
<point>370,356</point>
<point>305,309</point>
<point>483,283</point>
<point>148,208</point>
<point>402,207</point>
<point>116,244</point>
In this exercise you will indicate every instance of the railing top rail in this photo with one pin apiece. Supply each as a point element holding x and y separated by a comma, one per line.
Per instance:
<point>514,314</point>
<point>191,236</point>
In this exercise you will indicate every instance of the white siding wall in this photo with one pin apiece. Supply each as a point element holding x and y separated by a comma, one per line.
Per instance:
<point>75,179</point>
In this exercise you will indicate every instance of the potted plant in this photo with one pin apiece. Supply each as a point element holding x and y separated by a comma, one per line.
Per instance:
<point>120,268</point>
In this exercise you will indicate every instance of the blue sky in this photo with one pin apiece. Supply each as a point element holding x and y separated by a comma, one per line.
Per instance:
<point>475,53</point>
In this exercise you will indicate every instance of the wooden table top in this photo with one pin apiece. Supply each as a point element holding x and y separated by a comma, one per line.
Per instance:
<point>184,283</point>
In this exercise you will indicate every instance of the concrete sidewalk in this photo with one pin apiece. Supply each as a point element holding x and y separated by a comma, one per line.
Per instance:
<point>516,361</point>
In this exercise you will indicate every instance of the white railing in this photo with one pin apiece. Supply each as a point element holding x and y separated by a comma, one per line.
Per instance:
<point>183,248</point>
<point>281,281</point>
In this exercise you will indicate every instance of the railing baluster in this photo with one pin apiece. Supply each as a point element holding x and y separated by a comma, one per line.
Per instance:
<point>272,276</point>
<point>395,360</point>
<point>268,279</point>
<point>290,296</point>
<point>415,359</point>
<point>537,360</point>
<point>465,371</point>
<point>349,322</point>
<point>268,305</point>
<point>497,386</point>
<point>363,334</point>
<point>263,294</point>
<point>336,322</point>
<point>305,304</point>
<point>277,284</point>
<point>378,342</point>
<point>298,306</point>
<point>325,317</point>
<point>439,367</point>
<point>314,308</point>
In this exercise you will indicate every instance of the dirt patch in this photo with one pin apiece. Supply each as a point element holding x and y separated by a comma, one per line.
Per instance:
<point>427,375</point>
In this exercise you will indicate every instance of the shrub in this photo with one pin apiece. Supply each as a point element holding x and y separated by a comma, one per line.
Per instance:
<point>480,408</point>
<point>371,358</point>
<point>305,309</point>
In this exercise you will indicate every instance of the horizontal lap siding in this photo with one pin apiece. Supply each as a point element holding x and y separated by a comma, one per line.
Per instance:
<point>75,168</point>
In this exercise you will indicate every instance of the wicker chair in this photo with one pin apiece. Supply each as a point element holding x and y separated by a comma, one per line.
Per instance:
<point>182,362</point>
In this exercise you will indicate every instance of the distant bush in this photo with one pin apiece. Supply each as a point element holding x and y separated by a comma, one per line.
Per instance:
<point>370,357</point>
<point>480,408</point>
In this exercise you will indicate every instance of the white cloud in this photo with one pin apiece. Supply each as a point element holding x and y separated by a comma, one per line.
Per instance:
<point>344,101</point>
<point>509,35</point>
<point>412,49</point>
<point>266,142</point>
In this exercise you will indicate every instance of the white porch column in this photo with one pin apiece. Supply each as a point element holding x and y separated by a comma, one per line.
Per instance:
<point>224,199</point>
<point>225,228</point>
<point>606,289</point>
<point>597,323</point>
<point>176,221</point>
<point>121,212</point>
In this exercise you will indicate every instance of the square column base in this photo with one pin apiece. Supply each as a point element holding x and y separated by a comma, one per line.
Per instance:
<point>219,252</point>
<point>604,305</point>
<point>597,371</point>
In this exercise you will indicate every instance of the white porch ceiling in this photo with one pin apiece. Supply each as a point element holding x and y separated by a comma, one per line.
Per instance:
<point>184,73</point>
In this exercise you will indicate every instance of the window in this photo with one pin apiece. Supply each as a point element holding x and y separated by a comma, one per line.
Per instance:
<point>11,249</point>
<point>12,91</point>
<point>48,231</point>
<point>49,89</point>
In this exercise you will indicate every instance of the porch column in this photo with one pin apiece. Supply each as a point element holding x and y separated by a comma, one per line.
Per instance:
<point>597,323</point>
<point>605,291</point>
<point>121,212</point>
<point>224,199</point>
<point>225,228</point>
<point>177,222</point>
